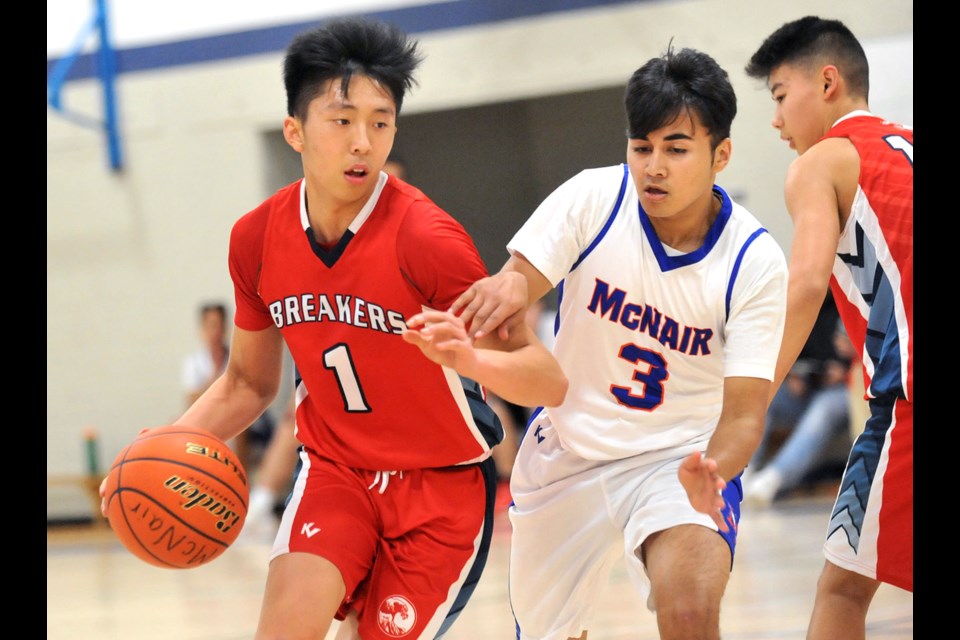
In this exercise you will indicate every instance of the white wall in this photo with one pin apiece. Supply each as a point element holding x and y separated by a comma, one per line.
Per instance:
<point>130,255</point>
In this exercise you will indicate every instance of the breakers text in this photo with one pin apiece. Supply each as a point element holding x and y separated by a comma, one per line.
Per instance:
<point>309,307</point>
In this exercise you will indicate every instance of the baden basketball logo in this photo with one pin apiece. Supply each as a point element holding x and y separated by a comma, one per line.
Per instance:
<point>396,616</point>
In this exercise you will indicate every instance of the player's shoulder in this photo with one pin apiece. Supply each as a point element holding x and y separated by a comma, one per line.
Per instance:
<point>602,176</point>
<point>751,231</point>
<point>592,185</point>
<point>866,121</point>
<point>255,220</point>
<point>404,198</point>
<point>741,218</point>
<point>421,219</point>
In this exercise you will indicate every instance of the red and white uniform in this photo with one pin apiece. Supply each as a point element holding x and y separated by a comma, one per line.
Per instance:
<point>381,424</point>
<point>871,529</point>
<point>371,400</point>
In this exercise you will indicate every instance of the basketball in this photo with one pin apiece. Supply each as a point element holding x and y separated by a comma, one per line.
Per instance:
<point>177,497</point>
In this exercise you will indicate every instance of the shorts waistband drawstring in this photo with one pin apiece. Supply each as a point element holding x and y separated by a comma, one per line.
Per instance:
<point>383,477</point>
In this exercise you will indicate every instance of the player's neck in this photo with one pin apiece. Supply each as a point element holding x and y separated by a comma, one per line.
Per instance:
<point>329,218</point>
<point>844,108</point>
<point>685,231</point>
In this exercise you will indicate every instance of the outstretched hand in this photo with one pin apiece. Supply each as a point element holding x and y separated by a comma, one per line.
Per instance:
<point>704,486</point>
<point>103,483</point>
<point>495,303</point>
<point>441,336</point>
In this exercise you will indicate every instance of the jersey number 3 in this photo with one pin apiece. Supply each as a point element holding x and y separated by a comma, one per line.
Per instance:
<point>651,379</point>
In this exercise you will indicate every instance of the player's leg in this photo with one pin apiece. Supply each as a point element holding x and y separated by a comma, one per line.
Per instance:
<point>841,606</point>
<point>870,535</point>
<point>689,566</point>
<point>564,542</point>
<point>302,595</point>
<point>349,628</point>
<point>437,527</point>
<point>680,561</point>
<point>323,551</point>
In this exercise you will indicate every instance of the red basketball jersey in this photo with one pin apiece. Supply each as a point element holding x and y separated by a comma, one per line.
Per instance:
<point>871,527</point>
<point>873,275</point>
<point>366,398</point>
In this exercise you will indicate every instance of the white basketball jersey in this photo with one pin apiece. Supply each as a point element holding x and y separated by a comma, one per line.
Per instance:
<point>645,334</point>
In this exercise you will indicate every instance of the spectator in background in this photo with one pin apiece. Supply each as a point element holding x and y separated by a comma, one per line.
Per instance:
<point>396,166</point>
<point>208,363</point>
<point>270,486</point>
<point>205,365</point>
<point>812,410</point>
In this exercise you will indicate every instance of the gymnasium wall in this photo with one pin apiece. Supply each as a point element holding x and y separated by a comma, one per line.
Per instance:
<point>506,109</point>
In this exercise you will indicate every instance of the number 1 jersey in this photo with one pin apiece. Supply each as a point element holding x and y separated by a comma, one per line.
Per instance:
<point>365,397</point>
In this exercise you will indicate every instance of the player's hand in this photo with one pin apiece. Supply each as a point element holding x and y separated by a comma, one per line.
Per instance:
<point>442,337</point>
<point>103,497</point>
<point>495,303</point>
<point>103,483</point>
<point>704,486</point>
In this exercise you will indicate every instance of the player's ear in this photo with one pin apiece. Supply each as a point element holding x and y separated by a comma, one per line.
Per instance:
<point>721,155</point>
<point>830,76</point>
<point>293,133</point>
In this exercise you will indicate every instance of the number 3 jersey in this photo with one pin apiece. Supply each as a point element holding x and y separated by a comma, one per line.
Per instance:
<point>365,397</point>
<point>645,334</point>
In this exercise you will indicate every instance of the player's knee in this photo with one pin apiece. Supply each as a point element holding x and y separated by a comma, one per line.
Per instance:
<point>688,616</point>
<point>851,586</point>
<point>686,622</point>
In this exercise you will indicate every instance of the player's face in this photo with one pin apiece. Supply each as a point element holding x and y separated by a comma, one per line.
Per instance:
<point>674,169</point>
<point>344,140</point>
<point>797,95</point>
<point>213,328</point>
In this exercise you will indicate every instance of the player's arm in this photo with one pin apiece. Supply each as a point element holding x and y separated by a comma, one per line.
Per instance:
<point>733,442</point>
<point>498,302</point>
<point>247,387</point>
<point>519,369</point>
<point>811,194</point>
<point>241,394</point>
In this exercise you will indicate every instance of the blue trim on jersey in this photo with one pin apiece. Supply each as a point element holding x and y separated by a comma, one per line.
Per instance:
<point>610,219</point>
<point>732,497</point>
<point>593,245</point>
<point>882,338</point>
<point>533,414</point>
<point>669,263</point>
<point>736,267</point>
<point>556,318</point>
<point>850,507</point>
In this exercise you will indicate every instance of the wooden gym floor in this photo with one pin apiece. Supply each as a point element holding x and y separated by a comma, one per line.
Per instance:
<point>96,590</point>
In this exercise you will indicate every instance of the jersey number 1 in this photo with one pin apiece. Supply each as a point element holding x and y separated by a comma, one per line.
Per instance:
<point>337,359</point>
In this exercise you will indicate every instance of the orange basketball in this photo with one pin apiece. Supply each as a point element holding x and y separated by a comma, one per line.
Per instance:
<point>177,497</point>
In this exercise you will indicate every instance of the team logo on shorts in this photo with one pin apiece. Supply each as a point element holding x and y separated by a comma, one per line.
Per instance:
<point>396,616</point>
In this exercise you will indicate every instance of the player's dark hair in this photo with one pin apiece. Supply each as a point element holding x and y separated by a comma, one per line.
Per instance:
<point>687,81</point>
<point>213,307</point>
<point>343,48</point>
<point>814,41</point>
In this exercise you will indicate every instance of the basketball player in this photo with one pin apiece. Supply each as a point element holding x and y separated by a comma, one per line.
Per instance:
<point>389,522</point>
<point>671,311</point>
<point>850,195</point>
